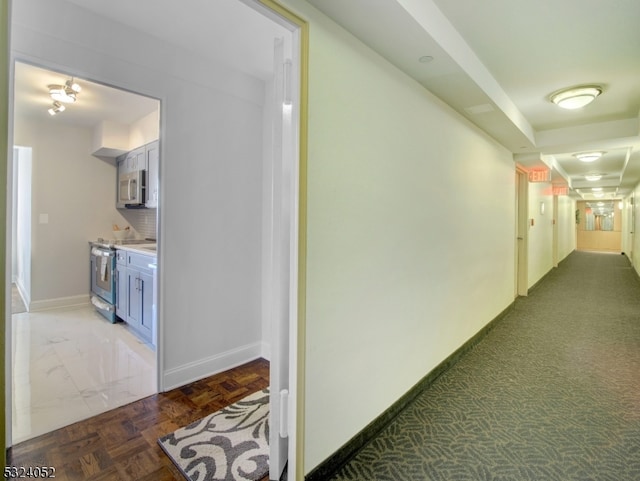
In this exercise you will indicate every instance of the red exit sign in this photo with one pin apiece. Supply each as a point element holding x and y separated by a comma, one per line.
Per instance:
<point>539,175</point>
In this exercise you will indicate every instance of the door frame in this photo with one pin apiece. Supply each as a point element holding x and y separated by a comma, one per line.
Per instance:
<point>6,132</point>
<point>555,230</point>
<point>297,307</point>
<point>8,246</point>
<point>522,232</point>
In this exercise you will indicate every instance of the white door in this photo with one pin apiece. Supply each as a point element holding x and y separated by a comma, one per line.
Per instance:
<point>283,264</point>
<point>522,227</point>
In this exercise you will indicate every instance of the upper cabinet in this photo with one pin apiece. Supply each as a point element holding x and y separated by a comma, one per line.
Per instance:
<point>141,189</point>
<point>132,161</point>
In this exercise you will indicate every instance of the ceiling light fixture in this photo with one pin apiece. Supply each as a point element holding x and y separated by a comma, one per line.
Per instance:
<point>66,93</point>
<point>593,177</point>
<point>576,97</point>
<point>588,156</point>
<point>57,107</point>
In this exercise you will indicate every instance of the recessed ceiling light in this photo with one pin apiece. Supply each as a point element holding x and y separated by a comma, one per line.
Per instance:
<point>593,177</point>
<point>588,156</point>
<point>425,59</point>
<point>576,97</point>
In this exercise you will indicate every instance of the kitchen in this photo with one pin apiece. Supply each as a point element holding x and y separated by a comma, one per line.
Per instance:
<point>70,362</point>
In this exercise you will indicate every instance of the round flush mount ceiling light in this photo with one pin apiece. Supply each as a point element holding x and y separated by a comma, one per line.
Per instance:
<point>593,177</point>
<point>576,97</point>
<point>588,156</point>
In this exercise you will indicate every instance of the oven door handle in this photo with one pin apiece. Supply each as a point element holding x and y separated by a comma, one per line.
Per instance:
<point>101,252</point>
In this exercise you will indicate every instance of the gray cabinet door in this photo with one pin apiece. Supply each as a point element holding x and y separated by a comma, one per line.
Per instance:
<point>146,305</point>
<point>121,291</point>
<point>133,297</point>
<point>139,292</point>
<point>153,159</point>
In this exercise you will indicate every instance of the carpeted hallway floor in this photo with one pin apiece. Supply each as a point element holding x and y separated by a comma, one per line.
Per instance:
<point>551,394</point>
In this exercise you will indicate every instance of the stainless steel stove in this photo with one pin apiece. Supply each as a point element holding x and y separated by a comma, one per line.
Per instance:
<point>103,270</point>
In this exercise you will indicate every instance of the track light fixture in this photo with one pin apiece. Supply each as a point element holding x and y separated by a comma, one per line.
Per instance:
<point>56,108</point>
<point>63,94</point>
<point>66,93</point>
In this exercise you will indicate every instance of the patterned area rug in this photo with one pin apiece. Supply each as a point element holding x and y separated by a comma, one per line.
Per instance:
<point>229,445</point>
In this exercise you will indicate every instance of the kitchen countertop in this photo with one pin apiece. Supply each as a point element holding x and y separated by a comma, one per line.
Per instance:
<point>146,249</point>
<point>141,246</point>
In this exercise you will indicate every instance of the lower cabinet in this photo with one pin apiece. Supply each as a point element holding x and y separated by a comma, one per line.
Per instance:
<point>135,289</point>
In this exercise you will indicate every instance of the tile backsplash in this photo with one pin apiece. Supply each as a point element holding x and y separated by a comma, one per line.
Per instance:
<point>142,220</point>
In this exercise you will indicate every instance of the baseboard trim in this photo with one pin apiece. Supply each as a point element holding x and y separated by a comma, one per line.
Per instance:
<point>342,456</point>
<point>59,303</point>
<point>194,371</point>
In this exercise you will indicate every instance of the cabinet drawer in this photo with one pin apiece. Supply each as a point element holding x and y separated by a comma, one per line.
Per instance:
<point>139,261</point>
<point>121,257</point>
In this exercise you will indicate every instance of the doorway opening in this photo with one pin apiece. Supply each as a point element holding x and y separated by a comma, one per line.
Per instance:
<point>213,228</point>
<point>67,362</point>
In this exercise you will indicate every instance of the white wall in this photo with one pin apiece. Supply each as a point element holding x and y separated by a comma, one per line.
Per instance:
<point>77,193</point>
<point>211,178</point>
<point>410,235</point>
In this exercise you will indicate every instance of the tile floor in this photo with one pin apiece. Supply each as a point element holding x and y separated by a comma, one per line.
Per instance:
<point>71,364</point>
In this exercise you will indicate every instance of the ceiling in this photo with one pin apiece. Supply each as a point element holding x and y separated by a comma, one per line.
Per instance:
<point>209,34</point>
<point>496,62</point>
<point>95,103</point>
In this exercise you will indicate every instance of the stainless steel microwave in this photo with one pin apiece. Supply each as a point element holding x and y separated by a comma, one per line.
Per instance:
<point>132,189</point>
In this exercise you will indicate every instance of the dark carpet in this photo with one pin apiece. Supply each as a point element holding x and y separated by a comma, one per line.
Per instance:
<point>552,393</point>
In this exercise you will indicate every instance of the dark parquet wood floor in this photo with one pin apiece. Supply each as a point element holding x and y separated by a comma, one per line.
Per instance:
<point>122,444</point>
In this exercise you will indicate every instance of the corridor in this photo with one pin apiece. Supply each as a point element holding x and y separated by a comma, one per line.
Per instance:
<point>552,393</point>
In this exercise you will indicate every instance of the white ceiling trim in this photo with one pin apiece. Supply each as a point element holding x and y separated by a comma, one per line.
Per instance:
<point>433,21</point>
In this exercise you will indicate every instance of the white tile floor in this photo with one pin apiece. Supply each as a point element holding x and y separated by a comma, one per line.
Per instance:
<point>71,364</point>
